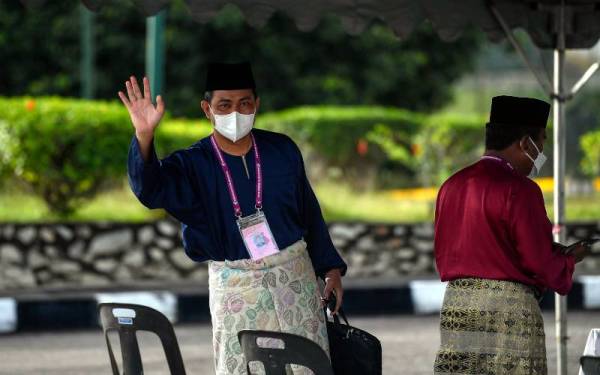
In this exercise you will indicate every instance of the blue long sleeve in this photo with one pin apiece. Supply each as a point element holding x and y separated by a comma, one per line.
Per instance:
<point>161,183</point>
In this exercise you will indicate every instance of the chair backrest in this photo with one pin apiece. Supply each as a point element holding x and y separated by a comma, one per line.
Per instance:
<point>297,350</point>
<point>127,319</point>
<point>590,365</point>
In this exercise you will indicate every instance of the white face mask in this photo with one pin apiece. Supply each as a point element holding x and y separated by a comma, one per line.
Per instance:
<point>538,162</point>
<point>233,126</point>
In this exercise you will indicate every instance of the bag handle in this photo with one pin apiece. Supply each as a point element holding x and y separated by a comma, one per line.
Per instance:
<point>331,305</point>
<point>336,317</point>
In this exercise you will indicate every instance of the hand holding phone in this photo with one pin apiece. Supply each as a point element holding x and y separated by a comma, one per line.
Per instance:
<point>580,249</point>
<point>585,242</point>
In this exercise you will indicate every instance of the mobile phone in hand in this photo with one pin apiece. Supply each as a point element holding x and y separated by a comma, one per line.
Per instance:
<point>584,242</point>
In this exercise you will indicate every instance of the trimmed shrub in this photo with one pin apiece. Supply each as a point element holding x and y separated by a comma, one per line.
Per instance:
<point>342,141</point>
<point>590,145</point>
<point>67,150</point>
<point>447,143</point>
<point>443,144</point>
<point>64,149</point>
<point>176,134</point>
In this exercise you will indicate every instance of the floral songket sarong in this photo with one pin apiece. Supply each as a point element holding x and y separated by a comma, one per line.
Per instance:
<point>277,293</point>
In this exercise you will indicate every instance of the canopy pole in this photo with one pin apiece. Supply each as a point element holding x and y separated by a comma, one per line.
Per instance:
<point>559,99</point>
<point>559,201</point>
<point>584,79</point>
<point>543,80</point>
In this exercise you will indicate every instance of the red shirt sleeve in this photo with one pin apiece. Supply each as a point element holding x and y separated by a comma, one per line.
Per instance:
<point>532,235</point>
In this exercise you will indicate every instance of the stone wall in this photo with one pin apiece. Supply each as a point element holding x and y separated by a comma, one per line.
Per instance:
<point>96,255</point>
<point>93,254</point>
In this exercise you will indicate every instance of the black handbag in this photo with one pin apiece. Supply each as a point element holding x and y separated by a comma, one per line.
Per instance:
<point>353,351</point>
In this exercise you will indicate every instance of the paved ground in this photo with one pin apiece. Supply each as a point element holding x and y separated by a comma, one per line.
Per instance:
<point>409,345</point>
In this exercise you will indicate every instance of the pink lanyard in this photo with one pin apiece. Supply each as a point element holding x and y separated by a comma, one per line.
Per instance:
<point>259,181</point>
<point>495,158</point>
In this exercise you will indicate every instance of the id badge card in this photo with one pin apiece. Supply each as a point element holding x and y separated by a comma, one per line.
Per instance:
<point>257,236</point>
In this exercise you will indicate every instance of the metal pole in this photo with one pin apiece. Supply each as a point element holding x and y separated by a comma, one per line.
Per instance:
<point>87,76</point>
<point>155,52</point>
<point>559,185</point>
<point>584,78</point>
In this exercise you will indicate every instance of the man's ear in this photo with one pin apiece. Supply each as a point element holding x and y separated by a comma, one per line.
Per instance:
<point>257,106</point>
<point>205,108</point>
<point>526,145</point>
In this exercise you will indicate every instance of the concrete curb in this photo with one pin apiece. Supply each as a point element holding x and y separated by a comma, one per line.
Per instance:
<point>56,312</point>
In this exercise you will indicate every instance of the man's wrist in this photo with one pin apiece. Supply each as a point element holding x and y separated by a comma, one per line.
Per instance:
<point>333,272</point>
<point>144,137</point>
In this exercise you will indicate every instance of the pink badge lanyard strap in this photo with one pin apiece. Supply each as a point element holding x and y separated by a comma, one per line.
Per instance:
<point>500,160</point>
<point>229,180</point>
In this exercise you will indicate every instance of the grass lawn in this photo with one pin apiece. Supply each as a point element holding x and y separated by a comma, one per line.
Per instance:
<point>342,204</point>
<point>337,202</point>
<point>116,205</point>
<point>578,209</point>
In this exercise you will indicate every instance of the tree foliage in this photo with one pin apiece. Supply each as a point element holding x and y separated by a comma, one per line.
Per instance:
<point>40,53</point>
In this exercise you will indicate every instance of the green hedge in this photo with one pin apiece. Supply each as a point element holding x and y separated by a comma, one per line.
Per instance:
<point>64,149</point>
<point>331,138</point>
<point>446,143</point>
<point>590,145</point>
<point>67,150</point>
<point>176,134</point>
<point>334,131</point>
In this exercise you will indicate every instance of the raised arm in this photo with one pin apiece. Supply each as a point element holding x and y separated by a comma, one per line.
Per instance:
<point>156,183</point>
<point>145,116</point>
